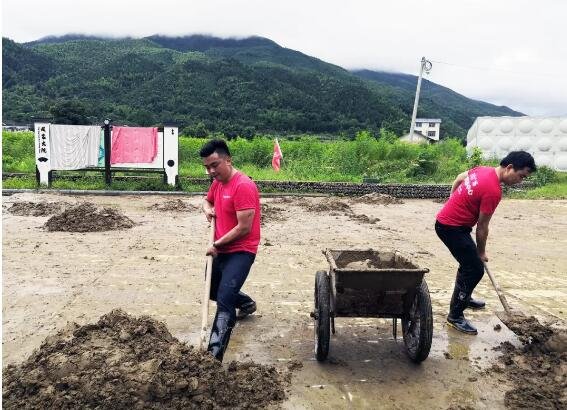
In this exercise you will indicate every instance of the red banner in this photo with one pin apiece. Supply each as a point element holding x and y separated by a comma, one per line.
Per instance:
<point>277,157</point>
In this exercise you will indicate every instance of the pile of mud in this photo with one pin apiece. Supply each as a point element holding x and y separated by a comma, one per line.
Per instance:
<point>362,218</point>
<point>374,198</point>
<point>331,205</point>
<point>37,208</point>
<point>538,368</point>
<point>174,205</point>
<point>271,213</point>
<point>124,362</point>
<point>86,217</point>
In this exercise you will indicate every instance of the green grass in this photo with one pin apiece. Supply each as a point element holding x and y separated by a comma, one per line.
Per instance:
<point>305,159</point>
<point>385,160</point>
<point>553,190</point>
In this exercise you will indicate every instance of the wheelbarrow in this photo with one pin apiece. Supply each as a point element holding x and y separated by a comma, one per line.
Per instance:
<point>373,283</point>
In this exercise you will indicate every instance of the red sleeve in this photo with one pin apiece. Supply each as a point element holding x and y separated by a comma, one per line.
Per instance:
<point>488,204</point>
<point>211,192</point>
<point>245,197</point>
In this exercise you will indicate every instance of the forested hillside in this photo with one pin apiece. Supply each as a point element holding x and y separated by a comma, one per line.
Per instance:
<point>206,84</point>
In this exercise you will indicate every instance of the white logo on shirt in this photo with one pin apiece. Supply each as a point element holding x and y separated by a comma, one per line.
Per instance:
<point>470,182</point>
<point>226,197</point>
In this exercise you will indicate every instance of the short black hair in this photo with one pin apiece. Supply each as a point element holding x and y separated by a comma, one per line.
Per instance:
<point>212,146</point>
<point>519,160</point>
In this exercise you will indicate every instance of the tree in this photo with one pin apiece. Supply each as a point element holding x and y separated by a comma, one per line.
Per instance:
<point>69,112</point>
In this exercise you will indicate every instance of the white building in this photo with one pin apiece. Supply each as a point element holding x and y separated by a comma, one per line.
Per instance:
<point>426,130</point>
<point>543,137</point>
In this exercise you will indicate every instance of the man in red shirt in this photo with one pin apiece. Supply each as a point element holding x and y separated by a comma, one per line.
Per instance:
<point>475,194</point>
<point>234,201</point>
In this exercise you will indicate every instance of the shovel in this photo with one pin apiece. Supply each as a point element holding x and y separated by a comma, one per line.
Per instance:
<point>509,317</point>
<point>207,292</point>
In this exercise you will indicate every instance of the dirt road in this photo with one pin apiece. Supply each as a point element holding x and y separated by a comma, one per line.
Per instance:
<point>156,268</point>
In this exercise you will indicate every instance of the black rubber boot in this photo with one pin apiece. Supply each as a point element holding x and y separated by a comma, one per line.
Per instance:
<point>476,304</point>
<point>456,318</point>
<point>220,335</point>
<point>246,309</point>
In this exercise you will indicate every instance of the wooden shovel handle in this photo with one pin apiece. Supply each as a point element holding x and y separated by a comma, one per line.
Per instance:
<point>498,290</point>
<point>206,292</point>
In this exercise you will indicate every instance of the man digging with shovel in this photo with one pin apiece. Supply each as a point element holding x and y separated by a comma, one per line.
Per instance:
<point>475,194</point>
<point>233,200</point>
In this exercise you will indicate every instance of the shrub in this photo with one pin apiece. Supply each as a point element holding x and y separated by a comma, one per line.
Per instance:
<point>543,176</point>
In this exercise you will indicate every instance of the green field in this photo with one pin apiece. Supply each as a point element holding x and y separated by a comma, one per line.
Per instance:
<point>385,160</point>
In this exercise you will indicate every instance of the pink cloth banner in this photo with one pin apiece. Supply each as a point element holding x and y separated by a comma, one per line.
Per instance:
<point>133,145</point>
<point>277,156</point>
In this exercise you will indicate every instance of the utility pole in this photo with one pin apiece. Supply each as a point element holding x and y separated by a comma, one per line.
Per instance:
<point>425,66</point>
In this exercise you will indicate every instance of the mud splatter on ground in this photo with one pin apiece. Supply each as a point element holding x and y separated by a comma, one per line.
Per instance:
<point>365,219</point>
<point>124,362</point>
<point>86,217</point>
<point>271,213</point>
<point>37,208</point>
<point>374,198</point>
<point>538,368</point>
<point>174,205</point>
<point>290,200</point>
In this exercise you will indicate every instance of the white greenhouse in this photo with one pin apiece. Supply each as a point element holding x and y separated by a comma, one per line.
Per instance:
<point>543,137</point>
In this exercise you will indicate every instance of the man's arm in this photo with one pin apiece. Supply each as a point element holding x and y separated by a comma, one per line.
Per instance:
<point>460,178</point>
<point>243,227</point>
<point>208,209</point>
<point>482,235</point>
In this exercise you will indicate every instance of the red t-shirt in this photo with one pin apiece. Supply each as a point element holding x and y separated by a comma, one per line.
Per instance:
<point>479,192</point>
<point>238,194</point>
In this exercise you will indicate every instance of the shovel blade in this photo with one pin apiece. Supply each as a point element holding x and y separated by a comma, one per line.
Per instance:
<point>512,319</point>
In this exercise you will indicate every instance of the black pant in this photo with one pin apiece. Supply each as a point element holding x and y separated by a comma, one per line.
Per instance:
<point>229,272</point>
<point>461,245</point>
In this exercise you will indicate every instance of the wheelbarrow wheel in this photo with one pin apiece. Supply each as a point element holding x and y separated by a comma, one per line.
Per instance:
<point>322,315</point>
<point>417,325</point>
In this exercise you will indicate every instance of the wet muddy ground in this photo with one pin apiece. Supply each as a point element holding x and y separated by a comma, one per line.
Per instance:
<point>155,268</point>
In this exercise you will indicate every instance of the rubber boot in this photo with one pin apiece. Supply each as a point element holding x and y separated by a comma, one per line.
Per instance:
<point>476,304</point>
<point>246,309</point>
<point>220,335</point>
<point>456,318</point>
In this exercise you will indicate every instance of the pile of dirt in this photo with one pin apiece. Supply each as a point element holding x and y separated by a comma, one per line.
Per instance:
<point>537,368</point>
<point>331,205</point>
<point>174,205</point>
<point>124,362</point>
<point>374,198</point>
<point>335,207</point>
<point>271,213</point>
<point>37,208</point>
<point>86,217</point>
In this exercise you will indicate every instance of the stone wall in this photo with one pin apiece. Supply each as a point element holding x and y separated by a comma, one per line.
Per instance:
<point>349,188</point>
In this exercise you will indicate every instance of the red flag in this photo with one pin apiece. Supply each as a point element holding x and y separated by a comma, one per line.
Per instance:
<point>277,157</point>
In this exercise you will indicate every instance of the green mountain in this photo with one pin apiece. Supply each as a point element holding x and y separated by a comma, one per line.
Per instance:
<point>207,84</point>
<point>435,101</point>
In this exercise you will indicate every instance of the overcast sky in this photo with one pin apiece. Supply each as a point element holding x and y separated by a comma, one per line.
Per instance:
<point>506,52</point>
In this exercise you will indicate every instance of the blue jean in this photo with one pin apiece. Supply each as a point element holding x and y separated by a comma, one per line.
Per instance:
<point>229,272</point>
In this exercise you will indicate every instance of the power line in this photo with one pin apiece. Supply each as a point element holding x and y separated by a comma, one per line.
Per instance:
<point>547,75</point>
